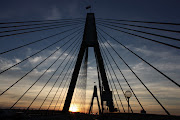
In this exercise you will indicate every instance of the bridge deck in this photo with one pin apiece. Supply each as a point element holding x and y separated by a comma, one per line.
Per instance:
<point>53,115</point>
<point>136,116</point>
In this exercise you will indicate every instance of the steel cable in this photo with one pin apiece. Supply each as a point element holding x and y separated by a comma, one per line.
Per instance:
<point>15,26</point>
<point>21,46</point>
<point>157,35</point>
<point>141,81</point>
<point>141,58</point>
<point>39,78</point>
<point>145,38</point>
<point>54,74</point>
<point>165,23</point>
<point>140,26</point>
<point>38,52</point>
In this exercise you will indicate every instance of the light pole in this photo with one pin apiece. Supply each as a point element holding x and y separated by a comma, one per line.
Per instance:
<point>128,94</point>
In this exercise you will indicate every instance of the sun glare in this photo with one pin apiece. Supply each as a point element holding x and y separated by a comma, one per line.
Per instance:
<point>73,108</point>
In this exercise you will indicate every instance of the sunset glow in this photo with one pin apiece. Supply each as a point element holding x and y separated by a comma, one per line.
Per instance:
<point>73,108</point>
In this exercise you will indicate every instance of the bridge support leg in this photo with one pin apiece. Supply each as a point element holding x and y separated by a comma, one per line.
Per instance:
<point>74,78</point>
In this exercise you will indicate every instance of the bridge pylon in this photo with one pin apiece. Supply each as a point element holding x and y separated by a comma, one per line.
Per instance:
<point>94,95</point>
<point>90,40</point>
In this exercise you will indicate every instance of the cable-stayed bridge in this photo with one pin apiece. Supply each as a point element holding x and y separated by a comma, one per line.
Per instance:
<point>48,73</point>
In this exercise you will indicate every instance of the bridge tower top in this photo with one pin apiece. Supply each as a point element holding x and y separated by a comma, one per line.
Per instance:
<point>90,35</point>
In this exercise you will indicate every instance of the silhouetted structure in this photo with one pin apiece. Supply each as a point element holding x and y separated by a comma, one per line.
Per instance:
<point>72,42</point>
<point>94,95</point>
<point>89,40</point>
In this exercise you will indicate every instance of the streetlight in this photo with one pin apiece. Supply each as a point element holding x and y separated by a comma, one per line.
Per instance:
<point>128,94</point>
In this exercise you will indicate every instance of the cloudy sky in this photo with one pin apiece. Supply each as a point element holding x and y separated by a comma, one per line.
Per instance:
<point>164,58</point>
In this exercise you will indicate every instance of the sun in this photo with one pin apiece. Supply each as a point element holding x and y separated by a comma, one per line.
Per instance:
<point>73,108</point>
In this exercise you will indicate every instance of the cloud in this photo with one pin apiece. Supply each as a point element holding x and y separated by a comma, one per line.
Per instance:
<point>154,53</point>
<point>168,66</point>
<point>106,43</point>
<point>6,63</point>
<point>139,66</point>
<point>35,59</point>
<point>43,55</point>
<point>72,9</point>
<point>53,14</point>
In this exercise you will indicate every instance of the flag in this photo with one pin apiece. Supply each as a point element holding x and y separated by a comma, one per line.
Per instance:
<point>88,7</point>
